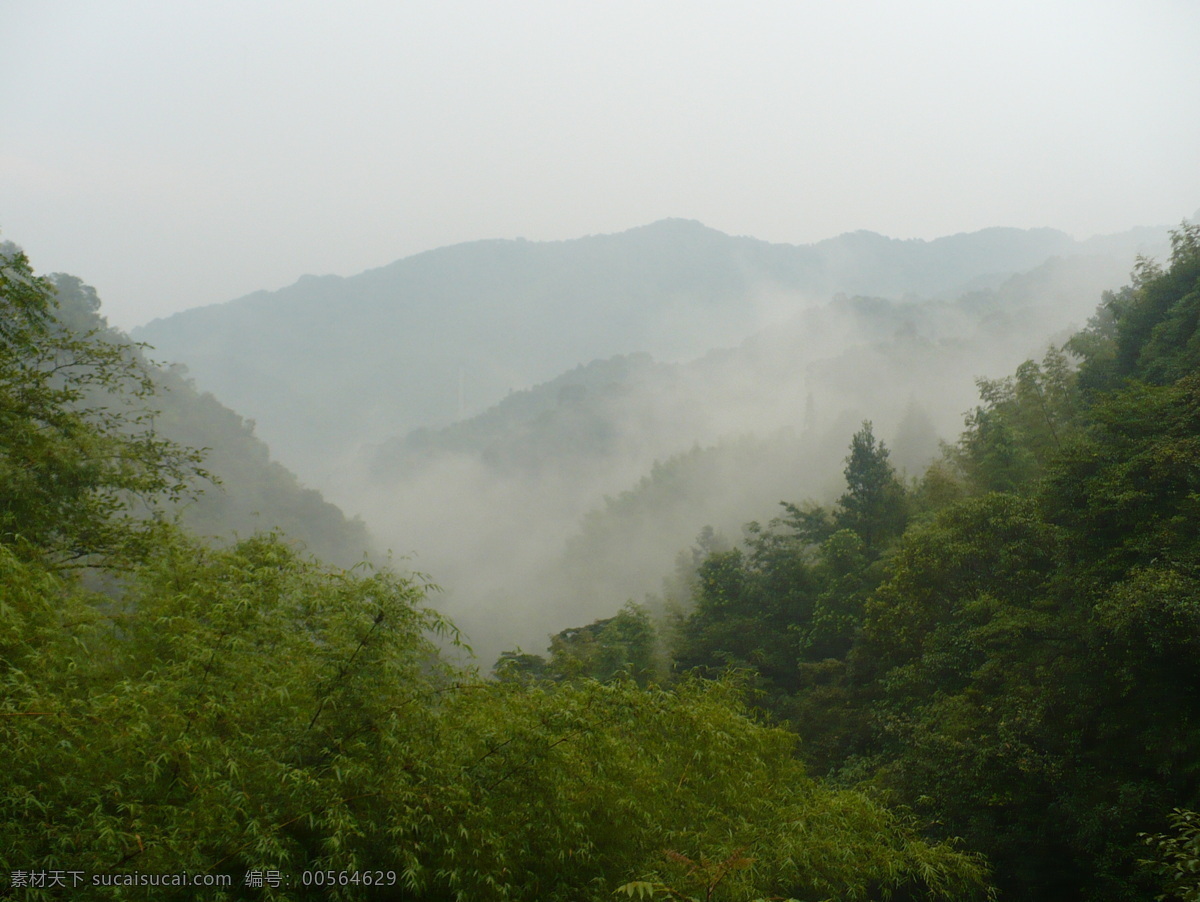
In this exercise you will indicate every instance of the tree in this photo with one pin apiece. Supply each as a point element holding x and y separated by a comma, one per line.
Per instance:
<point>620,647</point>
<point>1023,424</point>
<point>247,708</point>
<point>837,611</point>
<point>77,439</point>
<point>563,791</point>
<point>748,607</point>
<point>234,709</point>
<point>1177,856</point>
<point>874,502</point>
<point>1150,330</point>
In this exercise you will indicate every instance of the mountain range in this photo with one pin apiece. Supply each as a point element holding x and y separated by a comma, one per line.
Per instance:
<point>329,363</point>
<point>544,426</point>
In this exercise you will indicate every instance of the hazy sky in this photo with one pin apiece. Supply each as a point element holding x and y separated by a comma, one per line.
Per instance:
<point>182,153</point>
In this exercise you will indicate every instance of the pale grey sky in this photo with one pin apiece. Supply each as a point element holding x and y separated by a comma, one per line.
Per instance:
<point>183,153</point>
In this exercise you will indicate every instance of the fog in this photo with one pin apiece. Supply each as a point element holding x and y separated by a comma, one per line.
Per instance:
<point>184,154</point>
<point>543,425</point>
<point>564,501</point>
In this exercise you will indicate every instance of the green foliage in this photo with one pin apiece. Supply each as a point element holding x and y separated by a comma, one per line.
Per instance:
<point>1021,667</point>
<point>251,493</point>
<point>795,595</point>
<point>624,646</point>
<point>788,608</point>
<point>1149,331</point>
<point>239,709</point>
<point>1032,662</point>
<point>1130,486</point>
<point>1177,856</point>
<point>995,547</point>
<point>704,876</point>
<point>1021,426</point>
<point>77,441</point>
<point>248,709</point>
<point>838,607</point>
<point>941,486</point>
<point>561,787</point>
<point>519,666</point>
<point>745,608</point>
<point>874,502</point>
<point>973,670</point>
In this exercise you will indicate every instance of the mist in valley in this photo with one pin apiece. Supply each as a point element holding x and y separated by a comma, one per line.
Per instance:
<point>558,504</point>
<point>397,402</point>
<point>747,234</point>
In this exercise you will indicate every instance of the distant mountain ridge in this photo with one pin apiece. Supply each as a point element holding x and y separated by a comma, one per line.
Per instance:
<point>581,490</point>
<point>331,362</point>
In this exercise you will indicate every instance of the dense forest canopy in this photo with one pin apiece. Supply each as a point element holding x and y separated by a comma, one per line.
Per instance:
<point>244,711</point>
<point>1009,644</point>
<point>978,680</point>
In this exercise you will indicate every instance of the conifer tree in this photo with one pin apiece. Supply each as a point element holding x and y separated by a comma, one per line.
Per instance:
<point>874,502</point>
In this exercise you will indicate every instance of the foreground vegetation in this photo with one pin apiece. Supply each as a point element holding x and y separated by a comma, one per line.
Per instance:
<point>1009,646</point>
<point>167,706</point>
<point>986,678</point>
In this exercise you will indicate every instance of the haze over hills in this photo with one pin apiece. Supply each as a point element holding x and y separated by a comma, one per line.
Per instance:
<point>249,492</point>
<point>626,476</point>
<point>582,490</point>
<point>330,363</point>
<point>681,377</point>
<point>797,562</point>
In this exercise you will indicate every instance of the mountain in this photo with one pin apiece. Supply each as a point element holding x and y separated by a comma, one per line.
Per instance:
<point>329,363</point>
<point>401,392</point>
<point>252,491</point>
<point>565,499</point>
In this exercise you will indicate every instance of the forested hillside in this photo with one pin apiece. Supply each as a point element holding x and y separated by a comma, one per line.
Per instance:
<point>246,723</point>
<point>604,472</point>
<point>1010,645</point>
<point>246,491</point>
<point>969,678</point>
